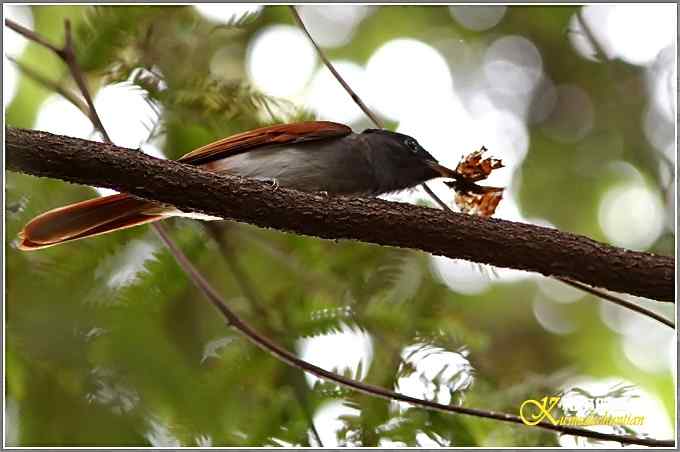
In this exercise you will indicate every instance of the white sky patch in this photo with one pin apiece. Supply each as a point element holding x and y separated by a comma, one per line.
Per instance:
<point>226,12</point>
<point>635,33</point>
<point>13,45</point>
<point>329,99</point>
<point>125,113</point>
<point>269,63</point>
<point>638,32</point>
<point>327,421</point>
<point>406,75</point>
<point>345,350</point>
<point>59,116</point>
<point>596,18</point>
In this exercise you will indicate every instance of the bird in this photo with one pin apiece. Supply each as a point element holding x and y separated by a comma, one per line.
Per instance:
<point>311,156</point>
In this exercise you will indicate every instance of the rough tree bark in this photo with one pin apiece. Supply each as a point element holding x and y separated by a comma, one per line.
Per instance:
<point>491,241</point>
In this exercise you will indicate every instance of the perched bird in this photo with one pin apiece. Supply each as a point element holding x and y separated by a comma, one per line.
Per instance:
<point>315,156</point>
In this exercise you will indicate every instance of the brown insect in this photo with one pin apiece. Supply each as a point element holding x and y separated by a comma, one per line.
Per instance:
<point>472,198</point>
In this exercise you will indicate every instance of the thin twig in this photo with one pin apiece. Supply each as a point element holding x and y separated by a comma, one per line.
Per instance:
<point>52,85</point>
<point>335,73</point>
<point>618,301</point>
<point>33,36</point>
<point>436,198</point>
<point>355,97</point>
<point>619,92</point>
<point>68,56</point>
<point>285,356</point>
<point>367,111</point>
<point>256,301</point>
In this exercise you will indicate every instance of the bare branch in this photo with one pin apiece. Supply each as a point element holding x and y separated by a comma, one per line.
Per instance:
<point>290,358</point>
<point>459,236</point>
<point>367,111</point>
<point>32,36</point>
<point>619,301</point>
<point>284,355</point>
<point>68,56</point>
<point>52,85</point>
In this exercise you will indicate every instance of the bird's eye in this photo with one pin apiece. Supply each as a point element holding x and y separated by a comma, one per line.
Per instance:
<point>411,144</point>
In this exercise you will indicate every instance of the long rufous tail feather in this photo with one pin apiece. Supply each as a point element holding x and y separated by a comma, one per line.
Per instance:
<point>86,219</point>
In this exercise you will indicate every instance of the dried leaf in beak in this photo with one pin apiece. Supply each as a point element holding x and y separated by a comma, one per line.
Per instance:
<point>473,167</point>
<point>472,198</point>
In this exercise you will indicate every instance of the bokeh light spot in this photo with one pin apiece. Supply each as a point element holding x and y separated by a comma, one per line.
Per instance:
<point>125,113</point>
<point>328,421</point>
<point>333,25</point>
<point>512,64</point>
<point>573,116</point>
<point>552,317</point>
<point>14,44</point>
<point>436,374</point>
<point>461,276</point>
<point>631,216</point>
<point>347,349</point>
<point>596,19</point>
<point>477,17</point>
<point>327,97</point>
<point>59,116</point>
<point>280,60</point>
<point>406,75</point>
<point>638,32</point>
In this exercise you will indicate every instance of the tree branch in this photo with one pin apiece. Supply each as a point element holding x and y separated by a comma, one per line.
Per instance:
<point>291,359</point>
<point>367,111</point>
<point>490,241</point>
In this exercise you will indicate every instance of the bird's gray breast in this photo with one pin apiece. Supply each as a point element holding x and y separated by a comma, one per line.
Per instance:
<point>336,166</point>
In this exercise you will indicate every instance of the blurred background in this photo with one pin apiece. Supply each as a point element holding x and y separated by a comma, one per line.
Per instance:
<point>108,343</point>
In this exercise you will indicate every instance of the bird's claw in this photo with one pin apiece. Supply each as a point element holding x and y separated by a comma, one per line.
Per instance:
<point>274,183</point>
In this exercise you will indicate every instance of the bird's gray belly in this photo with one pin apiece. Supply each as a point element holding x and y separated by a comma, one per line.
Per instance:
<point>307,167</point>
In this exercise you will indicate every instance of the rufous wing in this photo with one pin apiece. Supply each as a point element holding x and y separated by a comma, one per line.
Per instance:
<point>266,136</point>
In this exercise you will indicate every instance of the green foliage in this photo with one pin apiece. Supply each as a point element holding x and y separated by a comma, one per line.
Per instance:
<point>109,344</point>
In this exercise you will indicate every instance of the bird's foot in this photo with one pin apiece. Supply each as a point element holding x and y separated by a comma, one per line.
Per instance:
<point>271,181</point>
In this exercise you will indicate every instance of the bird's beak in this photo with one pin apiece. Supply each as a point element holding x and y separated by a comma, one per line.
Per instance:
<point>442,170</point>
